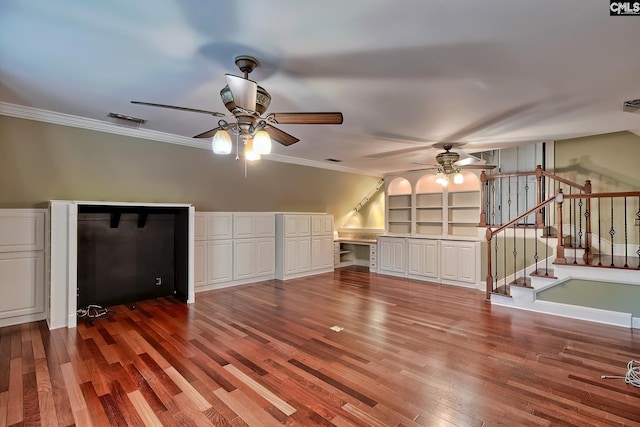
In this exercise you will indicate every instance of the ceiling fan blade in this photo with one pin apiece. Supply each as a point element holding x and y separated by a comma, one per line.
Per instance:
<point>477,166</point>
<point>174,107</point>
<point>244,91</point>
<point>308,118</point>
<point>281,136</point>
<point>210,133</point>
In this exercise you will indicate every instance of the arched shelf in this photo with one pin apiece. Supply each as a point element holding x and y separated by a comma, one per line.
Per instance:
<point>463,206</point>
<point>426,208</point>
<point>429,206</point>
<point>399,206</point>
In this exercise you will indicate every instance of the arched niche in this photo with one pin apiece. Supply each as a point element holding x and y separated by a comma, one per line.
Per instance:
<point>471,182</point>
<point>399,186</point>
<point>427,184</point>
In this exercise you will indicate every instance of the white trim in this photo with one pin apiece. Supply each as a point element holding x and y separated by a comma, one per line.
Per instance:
<point>46,116</point>
<point>64,257</point>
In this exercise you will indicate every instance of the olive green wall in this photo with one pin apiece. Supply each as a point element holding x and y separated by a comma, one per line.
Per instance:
<point>611,161</point>
<point>41,161</point>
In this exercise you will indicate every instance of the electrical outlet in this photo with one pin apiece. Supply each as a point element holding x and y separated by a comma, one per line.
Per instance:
<point>158,281</point>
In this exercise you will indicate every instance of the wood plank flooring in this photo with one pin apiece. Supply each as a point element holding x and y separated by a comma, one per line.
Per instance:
<point>410,354</point>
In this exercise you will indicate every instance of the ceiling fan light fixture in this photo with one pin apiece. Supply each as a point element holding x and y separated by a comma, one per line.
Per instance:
<point>249,153</point>
<point>458,178</point>
<point>221,142</point>
<point>262,142</point>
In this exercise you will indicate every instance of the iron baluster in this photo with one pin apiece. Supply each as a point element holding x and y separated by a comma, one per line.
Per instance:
<point>546,250</point>
<point>599,235</point>
<point>587,241</point>
<point>580,223</point>
<point>612,232</point>
<point>626,264</point>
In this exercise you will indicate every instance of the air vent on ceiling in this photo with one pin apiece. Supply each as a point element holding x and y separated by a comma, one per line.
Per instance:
<point>333,160</point>
<point>631,106</point>
<point>121,119</point>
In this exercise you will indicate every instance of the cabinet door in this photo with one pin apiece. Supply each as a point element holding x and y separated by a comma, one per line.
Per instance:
<point>398,256</point>
<point>327,224</point>
<point>243,225</point>
<point>219,225</point>
<point>304,254</point>
<point>199,264</point>
<point>265,257</point>
<point>467,262</point>
<point>290,256</point>
<point>449,260</point>
<point>219,261</point>
<point>317,225</point>
<point>244,253</point>
<point>322,225</point>
<point>386,254</point>
<point>264,225</point>
<point>415,257</point>
<point>199,226</point>
<point>304,225</point>
<point>321,252</point>
<point>290,226</point>
<point>430,258</point>
<point>392,255</point>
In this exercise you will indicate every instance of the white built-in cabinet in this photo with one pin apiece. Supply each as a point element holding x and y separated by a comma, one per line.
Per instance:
<point>22,265</point>
<point>233,248</point>
<point>423,258</point>
<point>392,258</point>
<point>454,262</point>
<point>304,244</point>
<point>432,231</point>
<point>459,261</point>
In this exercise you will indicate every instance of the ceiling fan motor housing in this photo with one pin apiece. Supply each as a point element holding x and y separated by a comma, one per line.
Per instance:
<point>263,99</point>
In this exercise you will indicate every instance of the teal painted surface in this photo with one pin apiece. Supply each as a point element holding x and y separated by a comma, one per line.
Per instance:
<point>620,297</point>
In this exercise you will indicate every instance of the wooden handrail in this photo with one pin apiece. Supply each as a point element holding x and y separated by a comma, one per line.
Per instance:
<point>491,233</point>
<point>599,195</point>
<point>564,181</point>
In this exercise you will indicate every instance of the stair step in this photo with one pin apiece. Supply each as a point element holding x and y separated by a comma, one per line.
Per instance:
<point>605,261</point>
<point>502,290</point>
<point>547,274</point>
<point>523,282</point>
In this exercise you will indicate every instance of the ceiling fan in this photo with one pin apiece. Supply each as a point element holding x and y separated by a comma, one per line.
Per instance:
<point>247,102</point>
<point>449,165</point>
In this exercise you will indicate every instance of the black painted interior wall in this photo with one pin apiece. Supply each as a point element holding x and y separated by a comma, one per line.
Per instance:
<point>129,254</point>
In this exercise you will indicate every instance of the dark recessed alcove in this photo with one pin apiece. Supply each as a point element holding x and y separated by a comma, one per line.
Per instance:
<point>131,253</point>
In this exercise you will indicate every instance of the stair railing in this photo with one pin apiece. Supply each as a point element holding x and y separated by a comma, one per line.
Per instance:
<point>616,215</point>
<point>498,242</point>
<point>506,195</point>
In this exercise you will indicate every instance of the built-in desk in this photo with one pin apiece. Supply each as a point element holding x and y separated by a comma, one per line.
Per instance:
<point>355,252</point>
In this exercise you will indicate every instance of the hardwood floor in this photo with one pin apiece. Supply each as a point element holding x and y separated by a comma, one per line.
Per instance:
<point>410,354</point>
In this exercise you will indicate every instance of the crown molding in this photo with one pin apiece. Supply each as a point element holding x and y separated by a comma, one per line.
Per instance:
<point>29,113</point>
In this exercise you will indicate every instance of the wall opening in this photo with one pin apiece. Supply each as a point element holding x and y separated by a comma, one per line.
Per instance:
<point>131,253</point>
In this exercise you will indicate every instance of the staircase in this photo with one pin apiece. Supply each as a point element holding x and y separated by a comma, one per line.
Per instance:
<point>574,234</point>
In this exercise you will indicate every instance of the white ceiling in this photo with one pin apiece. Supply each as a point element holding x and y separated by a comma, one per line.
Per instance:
<point>405,74</point>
